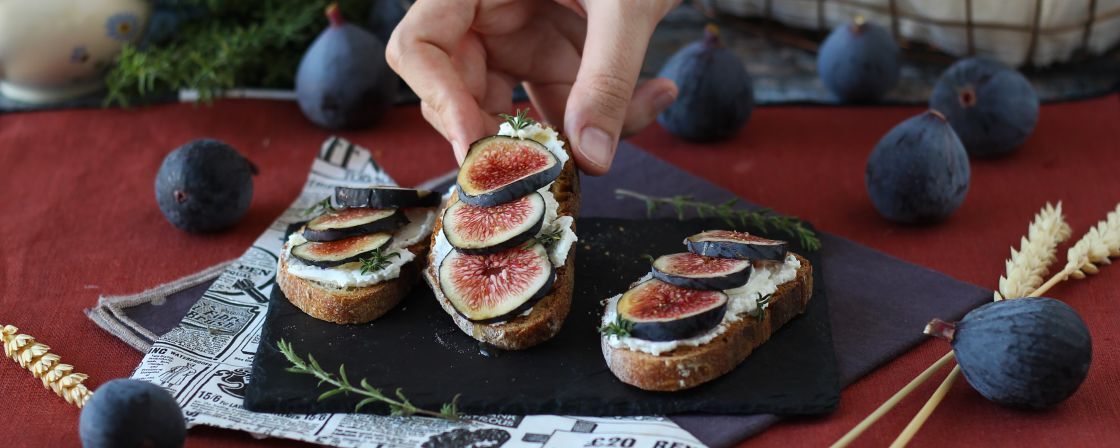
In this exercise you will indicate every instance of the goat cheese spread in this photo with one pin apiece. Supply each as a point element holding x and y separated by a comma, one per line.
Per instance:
<point>350,275</point>
<point>765,279</point>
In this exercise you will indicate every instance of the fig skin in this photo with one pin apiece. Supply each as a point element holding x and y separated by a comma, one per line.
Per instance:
<point>716,96</point>
<point>131,413</point>
<point>859,62</point>
<point>204,186</point>
<point>1030,353</point>
<point>993,108</point>
<point>919,172</point>
<point>343,80</point>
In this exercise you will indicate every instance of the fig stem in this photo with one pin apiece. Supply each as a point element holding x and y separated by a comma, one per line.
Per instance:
<point>334,15</point>
<point>941,329</point>
<point>892,402</point>
<point>711,36</point>
<point>923,415</point>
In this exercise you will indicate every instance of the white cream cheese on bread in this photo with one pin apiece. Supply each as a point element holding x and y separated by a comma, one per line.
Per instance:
<point>765,279</point>
<point>350,275</point>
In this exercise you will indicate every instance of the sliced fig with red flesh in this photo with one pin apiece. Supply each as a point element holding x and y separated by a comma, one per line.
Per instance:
<point>689,270</point>
<point>663,312</point>
<point>738,245</point>
<point>496,287</point>
<point>335,253</point>
<point>351,222</point>
<point>385,196</point>
<point>500,169</point>
<point>484,230</point>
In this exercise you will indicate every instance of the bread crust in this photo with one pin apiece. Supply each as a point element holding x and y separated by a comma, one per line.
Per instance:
<point>687,367</point>
<point>548,314</point>
<point>351,305</point>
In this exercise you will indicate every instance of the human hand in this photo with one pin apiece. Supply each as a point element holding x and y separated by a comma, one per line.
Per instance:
<point>579,61</point>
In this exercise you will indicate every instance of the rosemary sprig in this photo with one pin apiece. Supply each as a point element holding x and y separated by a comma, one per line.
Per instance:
<point>763,219</point>
<point>547,239</point>
<point>399,406</point>
<point>377,260</point>
<point>620,327</point>
<point>760,306</point>
<point>520,121</point>
<point>323,206</point>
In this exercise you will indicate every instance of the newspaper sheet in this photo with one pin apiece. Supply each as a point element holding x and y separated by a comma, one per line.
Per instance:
<point>205,361</point>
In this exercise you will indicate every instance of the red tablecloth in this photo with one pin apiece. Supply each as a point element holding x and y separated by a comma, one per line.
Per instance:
<point>79,219</point>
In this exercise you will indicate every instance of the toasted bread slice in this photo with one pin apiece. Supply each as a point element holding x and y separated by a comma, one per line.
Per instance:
<point>547,315</point>
<point>687,367</point>
<point>351,305</point>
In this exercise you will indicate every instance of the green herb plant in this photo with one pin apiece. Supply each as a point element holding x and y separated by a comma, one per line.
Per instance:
<point>547,239</point>
<point>323,206</point>
<point>222,44</point>
<point>377,260</point>
<point>763,220</point>
<point>760,302</point>
<point>520,121</point>
<point>399,406</point>
<point>620,327</point>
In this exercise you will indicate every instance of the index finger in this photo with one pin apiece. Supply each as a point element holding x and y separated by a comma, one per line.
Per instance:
<point>420,52</point>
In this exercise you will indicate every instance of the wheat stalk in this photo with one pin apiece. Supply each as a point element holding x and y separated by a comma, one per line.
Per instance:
<point>1038,249</point>
<point>1101,242</point>
<point>1025,270</point>
<point>37,358</point>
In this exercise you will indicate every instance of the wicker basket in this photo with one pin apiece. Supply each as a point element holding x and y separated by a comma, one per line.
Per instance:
<point>1017,32</point>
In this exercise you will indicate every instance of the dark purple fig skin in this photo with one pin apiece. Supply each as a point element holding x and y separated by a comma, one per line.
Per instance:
<point>738,250</point>
<point>514,190</point>
<point>1026,353</point>
<point>919,172</point>
<point>131,413</point>
<point>382,197</point>
<point>992,107</point>
<point>204,186</point>
<point>727,280</point>
<point>859,62</point>
<point>498,247</point>
<point>673,330</point>
<point>343,81</point>
<point>716,94</point>
<point>387,224</point>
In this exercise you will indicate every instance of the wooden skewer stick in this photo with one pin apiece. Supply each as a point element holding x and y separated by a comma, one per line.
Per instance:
<point>923,414</point>
<point>891,402</point>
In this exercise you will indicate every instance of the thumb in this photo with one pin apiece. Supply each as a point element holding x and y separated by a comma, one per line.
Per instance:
<point>617,36</point>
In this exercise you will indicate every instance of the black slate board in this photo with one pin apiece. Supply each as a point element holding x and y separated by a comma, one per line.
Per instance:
<point>418,348</point>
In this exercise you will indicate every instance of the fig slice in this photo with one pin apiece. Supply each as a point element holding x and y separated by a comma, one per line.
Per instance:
<point>335,253</point>
<point>689,270</point>
<point>385,196</point>
<point>739,245</point>
<point>662,312</point>
<point>351,222</point>
<point>484,230</point>
<point>499,286</point>
<point>500,169</point>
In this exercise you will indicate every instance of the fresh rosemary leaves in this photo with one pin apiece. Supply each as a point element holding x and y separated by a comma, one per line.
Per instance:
<point>520,121</point>
<point>397,406</point>
<point>322,206</point>
<point>763,220</point>
<point>620,327</point>
<point>377,260</point>
<point>547,239</point>
<point>760,306</point>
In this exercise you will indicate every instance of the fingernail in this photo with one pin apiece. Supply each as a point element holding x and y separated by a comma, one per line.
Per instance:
<point>664,99</point>
<point>597,146</point>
